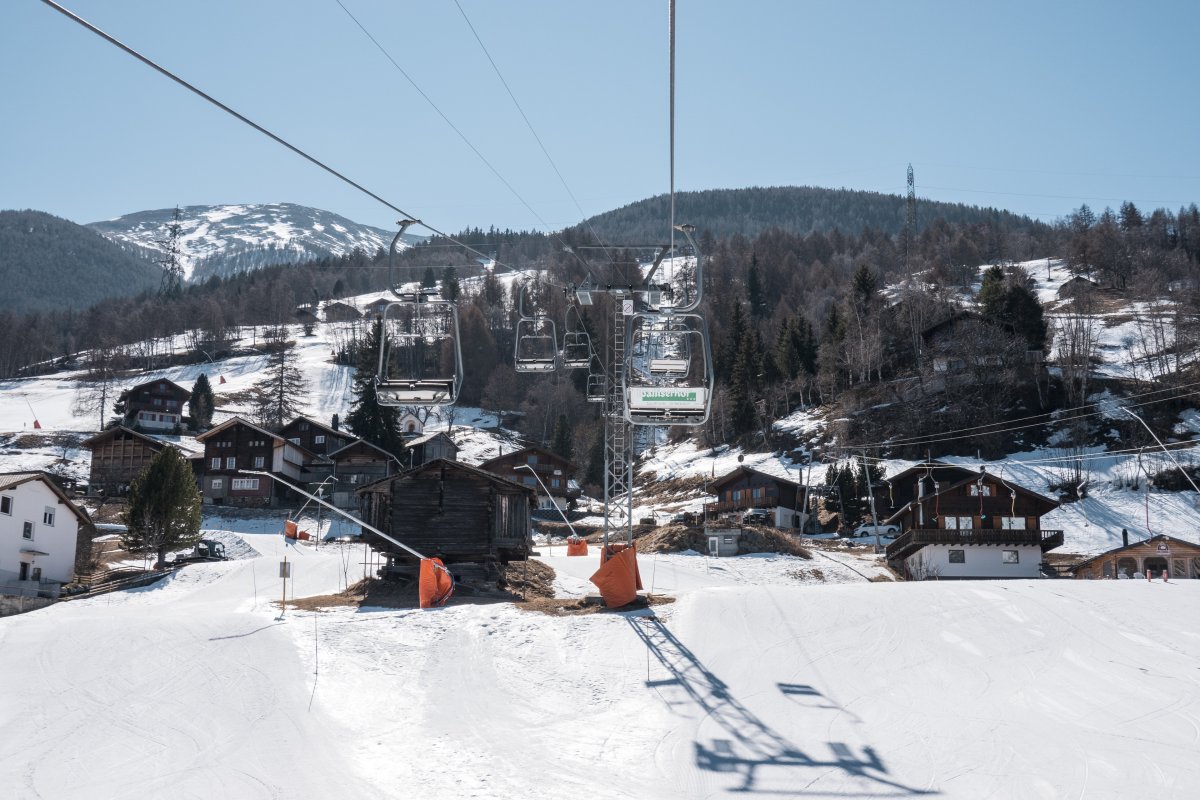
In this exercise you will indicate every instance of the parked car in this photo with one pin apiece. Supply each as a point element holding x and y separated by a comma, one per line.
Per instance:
<point>889,531</point>
<point>756,516</point>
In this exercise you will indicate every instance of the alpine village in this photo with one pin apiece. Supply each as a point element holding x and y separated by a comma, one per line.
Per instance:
<point>784,489</point>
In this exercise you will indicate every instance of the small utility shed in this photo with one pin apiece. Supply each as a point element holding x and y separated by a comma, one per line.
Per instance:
<point>1155,554</point>
<point>452,511</point>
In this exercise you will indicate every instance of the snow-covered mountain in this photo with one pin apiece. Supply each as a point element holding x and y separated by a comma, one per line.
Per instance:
<point>221,240</point>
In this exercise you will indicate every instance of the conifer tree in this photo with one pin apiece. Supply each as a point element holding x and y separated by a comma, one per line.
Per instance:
<point>201,403</point>
<point>754,290</point>
<point>741,404</point>
<point>164,507</point>
<point>450,288</point>
<point>377,424</point>
<point>561,443</point>
<point>277,395</point>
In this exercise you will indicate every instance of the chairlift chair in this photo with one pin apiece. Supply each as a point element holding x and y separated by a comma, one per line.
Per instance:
<point>420,359</point>
<point>536,345</point>
<point>670,380</point>
<point>596,389</point>
<point>577,345</point>
<point>420,355</point>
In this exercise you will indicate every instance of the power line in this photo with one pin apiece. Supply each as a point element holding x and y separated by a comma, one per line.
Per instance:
<point>529,125</point>
<point>1069,459</point>
<point>1007,426</point>
<point>455,128</point>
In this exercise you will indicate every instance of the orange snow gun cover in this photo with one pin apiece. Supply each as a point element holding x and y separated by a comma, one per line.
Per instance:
<point>436,585</point>
<point>618,578</point>
<point>577,547</point>
<point>289,529</point>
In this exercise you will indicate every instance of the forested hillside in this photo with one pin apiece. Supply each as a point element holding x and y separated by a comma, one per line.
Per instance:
<point>51,263</point>
<point>900,340</point>
<point>794,209</point>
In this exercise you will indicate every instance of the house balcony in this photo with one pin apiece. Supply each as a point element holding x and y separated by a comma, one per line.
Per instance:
<point>769,499</point>
<point>911,541</point>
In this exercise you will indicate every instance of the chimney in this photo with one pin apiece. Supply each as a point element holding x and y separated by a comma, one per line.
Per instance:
<point>335,422</point>
<point>1124,537</point>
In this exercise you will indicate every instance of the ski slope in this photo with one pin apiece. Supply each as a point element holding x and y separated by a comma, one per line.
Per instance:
<point>194,688</point>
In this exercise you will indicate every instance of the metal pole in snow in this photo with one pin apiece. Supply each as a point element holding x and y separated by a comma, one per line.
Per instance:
<point>549,547</point>
<point>337,510</point>
<point>1170,455</point>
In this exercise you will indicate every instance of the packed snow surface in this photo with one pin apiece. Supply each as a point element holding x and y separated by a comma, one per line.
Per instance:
<point>196,687</point>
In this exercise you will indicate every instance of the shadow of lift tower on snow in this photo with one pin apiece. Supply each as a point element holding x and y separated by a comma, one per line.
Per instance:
<point>753,745</point>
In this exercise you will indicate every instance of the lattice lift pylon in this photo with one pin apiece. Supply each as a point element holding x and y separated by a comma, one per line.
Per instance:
<point>618,442</point>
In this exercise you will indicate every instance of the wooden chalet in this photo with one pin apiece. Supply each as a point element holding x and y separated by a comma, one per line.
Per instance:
<point>316,437</point>
<point>1151,556</point>
<point>555,471</point>
<point>745,488</point>
<point>318,441</point>
<point>337,311</point>
<point>956,523</point>
<point>430,447</point>
<point>156,405</point>
<point>452,511</point>
<point>118,456</point>
<point>358,464</point>
<point>375,308</point>
<point>237,445</point>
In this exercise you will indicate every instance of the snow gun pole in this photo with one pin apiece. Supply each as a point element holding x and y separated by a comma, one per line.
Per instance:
<point>1170,455</point>
<point>337,510</point>
<point>549,496</point>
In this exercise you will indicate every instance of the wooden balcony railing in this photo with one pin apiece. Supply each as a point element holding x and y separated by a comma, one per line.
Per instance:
<point>770,500</point>
<point>913,540</point>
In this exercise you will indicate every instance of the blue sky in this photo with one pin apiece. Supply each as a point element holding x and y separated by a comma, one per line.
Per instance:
<point>1032,106</point>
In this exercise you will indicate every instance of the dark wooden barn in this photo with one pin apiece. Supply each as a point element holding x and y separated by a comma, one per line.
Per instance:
<point>449,510</point>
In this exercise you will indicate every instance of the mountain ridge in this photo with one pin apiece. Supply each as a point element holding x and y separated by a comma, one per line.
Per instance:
<point>47,262</point>
<point>219,240</point>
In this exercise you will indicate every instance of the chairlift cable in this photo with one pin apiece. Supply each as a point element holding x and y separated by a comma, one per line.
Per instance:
<point>529,125</point>
<point>273,136</point>
<point>453,127</point>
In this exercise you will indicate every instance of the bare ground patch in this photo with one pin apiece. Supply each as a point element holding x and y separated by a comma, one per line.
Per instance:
<point>523,580</point>
<point>578,606</point>
<point>677,538</point>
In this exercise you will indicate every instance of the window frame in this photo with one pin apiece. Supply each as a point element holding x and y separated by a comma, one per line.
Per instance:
<point>27,531</point>
<point>956,556</point>
<point>48,516</point>
<point>1010,556</point>
<point>6,500</point>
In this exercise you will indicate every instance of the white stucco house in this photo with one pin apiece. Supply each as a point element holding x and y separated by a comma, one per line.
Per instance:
<point>39,530</point>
